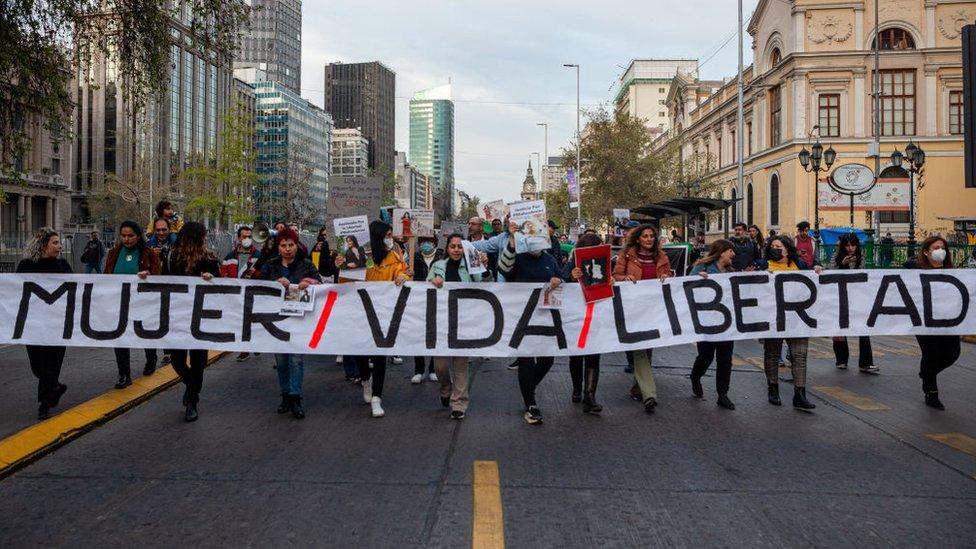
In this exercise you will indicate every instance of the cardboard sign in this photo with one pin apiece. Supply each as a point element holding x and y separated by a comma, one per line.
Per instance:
<point>352,196</point>
<point>597,281</point>
<point>533,233</point>
<point>410,223</point>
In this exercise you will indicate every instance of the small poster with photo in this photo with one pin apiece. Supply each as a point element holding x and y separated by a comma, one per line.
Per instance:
<point>297,301</point>
<point>447,229</point>
<point>533,227</point>
<point>473,258</point>
<point>597,280</point>
<point>621,218</point>
<point>352,246</point>
<point>496,209</point>
<point>410,223</point>
<point>552,298</point>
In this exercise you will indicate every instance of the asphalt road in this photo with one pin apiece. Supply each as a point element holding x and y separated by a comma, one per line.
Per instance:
<point>690,475</point>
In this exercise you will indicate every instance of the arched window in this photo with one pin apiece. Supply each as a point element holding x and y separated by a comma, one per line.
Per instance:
<point>894,39</point>
<point>775,58</point>
<point>735,205</point>
<point>892,172</point>
<point>774,200</point>
<point>749,205</point>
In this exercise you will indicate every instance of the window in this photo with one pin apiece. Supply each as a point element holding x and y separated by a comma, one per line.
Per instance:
<point>735,205</point>
<point>660,101</point>
<point>829,106</point>
<point>774,201</point>
<point>661,114</point>
<point>775,116</point>
<point>735,151</point>
<point>895,39</point>
<point>660,90</point>
<point>893,217</point>
<point>955,112</point>
<point>718,140</point>
<point>748,139</point>
<point>775,58</point>
<point>749,205</point>
<point>898,102</point>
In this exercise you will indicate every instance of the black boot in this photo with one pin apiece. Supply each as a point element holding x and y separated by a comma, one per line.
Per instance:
<point>58,393</point>
<point>297,410</point>
<point>932,400</point>
<point>774,395</point>
<point>696,386</point>
<point>724,402</point>
<point>591,377</point>
<point>800,399</point>
<point>124,381</point>
<point>285,405</point>
<point>191,412</point>
<point>576,376</point>
<point>150,368</point>
<point>43,411</point>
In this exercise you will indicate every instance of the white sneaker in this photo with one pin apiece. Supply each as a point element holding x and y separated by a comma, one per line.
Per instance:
<point>377,409</point>
<point>338,359</point>
<point>397,360</point>
<point>432,377</point>
<point>368,390</point>
<point>842,366</point>
<point>417,379</point>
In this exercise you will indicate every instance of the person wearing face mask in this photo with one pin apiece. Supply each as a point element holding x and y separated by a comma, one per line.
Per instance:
<point>388,266</point>
<point>850,256</point>
<point>781,255</point>
<point>535,267</point>
<point>938,351</point>
<point>720,259</point>
<point>425,257</point>
<point>452,370</point>
<point>161,241</point>
<point>132,256</point>
<point>324,258</point>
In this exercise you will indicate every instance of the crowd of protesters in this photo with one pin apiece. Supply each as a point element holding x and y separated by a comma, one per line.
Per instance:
<point>173,247</point>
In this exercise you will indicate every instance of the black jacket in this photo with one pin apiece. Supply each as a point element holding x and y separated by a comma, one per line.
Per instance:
<point>420,268</point>
<point>44,265</point>
<point>300,268</point>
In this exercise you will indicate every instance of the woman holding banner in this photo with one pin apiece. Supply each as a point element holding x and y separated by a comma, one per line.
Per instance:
<point>42,256</point>
<point>388,266</point>
<point>423,260</point>
<point>719,260</point>
<point>290,267</point>
<point>781,256</point>
<point>586,368</point>
<point>938,351</point>
<point>191,257</point>
<point>132,256</point>
<point>452,371</point>
<point>850,256</point>
<point>643,259</point>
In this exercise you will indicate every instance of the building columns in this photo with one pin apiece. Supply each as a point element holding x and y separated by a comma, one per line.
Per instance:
<point>859,103</point>
<point>931,105</point>
<point>21,216</point>
<point>48,212</point>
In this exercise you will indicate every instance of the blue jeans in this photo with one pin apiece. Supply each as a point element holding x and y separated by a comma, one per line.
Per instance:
<point>291,369</point>
<point>93,267</point>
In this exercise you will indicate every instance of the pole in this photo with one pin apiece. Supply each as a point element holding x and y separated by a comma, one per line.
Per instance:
<point>579,152</point>
<point>741,131</point>
<point>911,211</point>
<point>816,204</point>
<point>877,109</point>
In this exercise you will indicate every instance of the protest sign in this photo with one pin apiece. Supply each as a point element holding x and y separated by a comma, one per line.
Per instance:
<point>473,258</point>
<point>621,217</point>
<point>352,245</point>
<point>597,281</point>
<point>297,301</point>
<point>410,223</point>
<point>496,209</point>
<point>533,232</point>
<point>447,229</point>
<point>572,187</point>
<point>352,196</point>
<point>678,257</point>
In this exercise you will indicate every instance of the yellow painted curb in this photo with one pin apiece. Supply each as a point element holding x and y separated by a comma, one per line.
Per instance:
<point>969,339</point>
<point>488,528</point>
<point>39,439</point>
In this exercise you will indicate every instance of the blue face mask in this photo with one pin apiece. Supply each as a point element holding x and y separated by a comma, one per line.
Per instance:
<point>426,248</point>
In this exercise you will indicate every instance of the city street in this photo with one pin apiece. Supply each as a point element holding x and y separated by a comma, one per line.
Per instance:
<point>865,469</point>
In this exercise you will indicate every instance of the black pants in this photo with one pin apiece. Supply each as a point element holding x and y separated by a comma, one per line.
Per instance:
<point>576,365</point>
<point>378,373</point>
<point>418,365</point>
<point>531,371</point>
<point>865,357</point>
<point>192,375</point>
<point>721,352</point>
<point>938,353</point>
<point>45,363</point>
<point>123,360</point>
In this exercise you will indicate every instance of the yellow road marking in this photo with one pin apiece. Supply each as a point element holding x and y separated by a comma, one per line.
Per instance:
<point>488,531</point>
<point>853,399</point>
<point>958,441</point>
<point>34,441</point>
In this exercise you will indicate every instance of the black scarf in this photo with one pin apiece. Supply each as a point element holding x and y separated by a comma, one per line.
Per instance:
<point>451,273</point>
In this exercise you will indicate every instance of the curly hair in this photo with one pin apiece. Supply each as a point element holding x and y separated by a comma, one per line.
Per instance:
<point>633,239</point>
<point>191,246</point>
<point>38,242</point>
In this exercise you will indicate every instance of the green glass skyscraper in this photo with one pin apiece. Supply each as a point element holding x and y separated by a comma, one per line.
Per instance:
<point>432,138</point>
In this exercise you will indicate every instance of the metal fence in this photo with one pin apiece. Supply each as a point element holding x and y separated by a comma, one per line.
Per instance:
<point>893,256</point>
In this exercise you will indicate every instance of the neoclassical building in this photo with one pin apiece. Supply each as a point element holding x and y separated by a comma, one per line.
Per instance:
<point>813,74</point>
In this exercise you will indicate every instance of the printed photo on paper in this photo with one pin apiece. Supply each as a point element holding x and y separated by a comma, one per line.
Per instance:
<point>533,227</point>
<point>473,258</point>
<point>409,223</point>
<point>552,298</point>
<point>298,301</point>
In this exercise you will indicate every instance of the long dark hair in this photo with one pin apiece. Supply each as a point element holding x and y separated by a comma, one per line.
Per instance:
<point>588,239</point>
<point>162,205</point>
<point>923,261</point>
<point>377,234</point>
<point>760,240</point>
<point>633,239</point>
<point>715,251</point>
<point>849,238</point>
<point>191,246</point>
<point>791,256</point>
<point>141,237</point>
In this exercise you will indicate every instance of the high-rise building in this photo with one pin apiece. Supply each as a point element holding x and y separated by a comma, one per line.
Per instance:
<point>180,129</point>
<point>643,89</point>
<point>293,156</point>
<point>350,153</point>
<point>432,138</point>
<point>274,42</point>
<point>412,189</point>
<point>553,174</point>
<point>362,95</point>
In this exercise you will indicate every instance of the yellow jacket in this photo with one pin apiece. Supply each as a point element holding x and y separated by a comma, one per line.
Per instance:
<point>175,224</point>
<point>388,270</point>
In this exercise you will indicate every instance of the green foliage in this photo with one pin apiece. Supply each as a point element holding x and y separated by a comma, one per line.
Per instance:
<point>470,206</point>
<point>557,208</point>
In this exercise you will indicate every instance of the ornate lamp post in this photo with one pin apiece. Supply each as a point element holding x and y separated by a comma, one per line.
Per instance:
<point>916,159</point>
<point>811,162</point>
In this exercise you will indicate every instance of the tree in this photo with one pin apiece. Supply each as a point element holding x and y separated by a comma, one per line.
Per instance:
<point>223,190</point>
<point>557,207</point>
<point>470,206</point>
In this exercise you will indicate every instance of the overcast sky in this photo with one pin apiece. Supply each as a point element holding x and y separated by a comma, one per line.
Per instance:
<point>505,60</point>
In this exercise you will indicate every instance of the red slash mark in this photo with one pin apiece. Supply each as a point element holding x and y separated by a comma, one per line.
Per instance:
<point>323,320</point>
<point>586,326</point>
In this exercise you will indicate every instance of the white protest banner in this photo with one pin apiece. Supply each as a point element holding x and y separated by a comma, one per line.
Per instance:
<point>408,223</point>
<point>533,233</point>
<point>480,319</point>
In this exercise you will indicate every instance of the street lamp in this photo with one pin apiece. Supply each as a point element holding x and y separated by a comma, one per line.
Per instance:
<point>916,159</point>
<point>546,149</point>
<point>811,162</point>
<point>579,180</point>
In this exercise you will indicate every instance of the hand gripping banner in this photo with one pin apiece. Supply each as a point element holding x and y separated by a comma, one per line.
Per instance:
<point>478,319</point>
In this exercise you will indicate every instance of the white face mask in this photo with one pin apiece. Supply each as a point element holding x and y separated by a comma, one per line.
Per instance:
<point>246,243</point>
<point>938,255</point>
<point>388,243</point>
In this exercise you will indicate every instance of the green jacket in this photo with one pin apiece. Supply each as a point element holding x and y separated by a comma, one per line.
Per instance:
<point>439,269</point>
